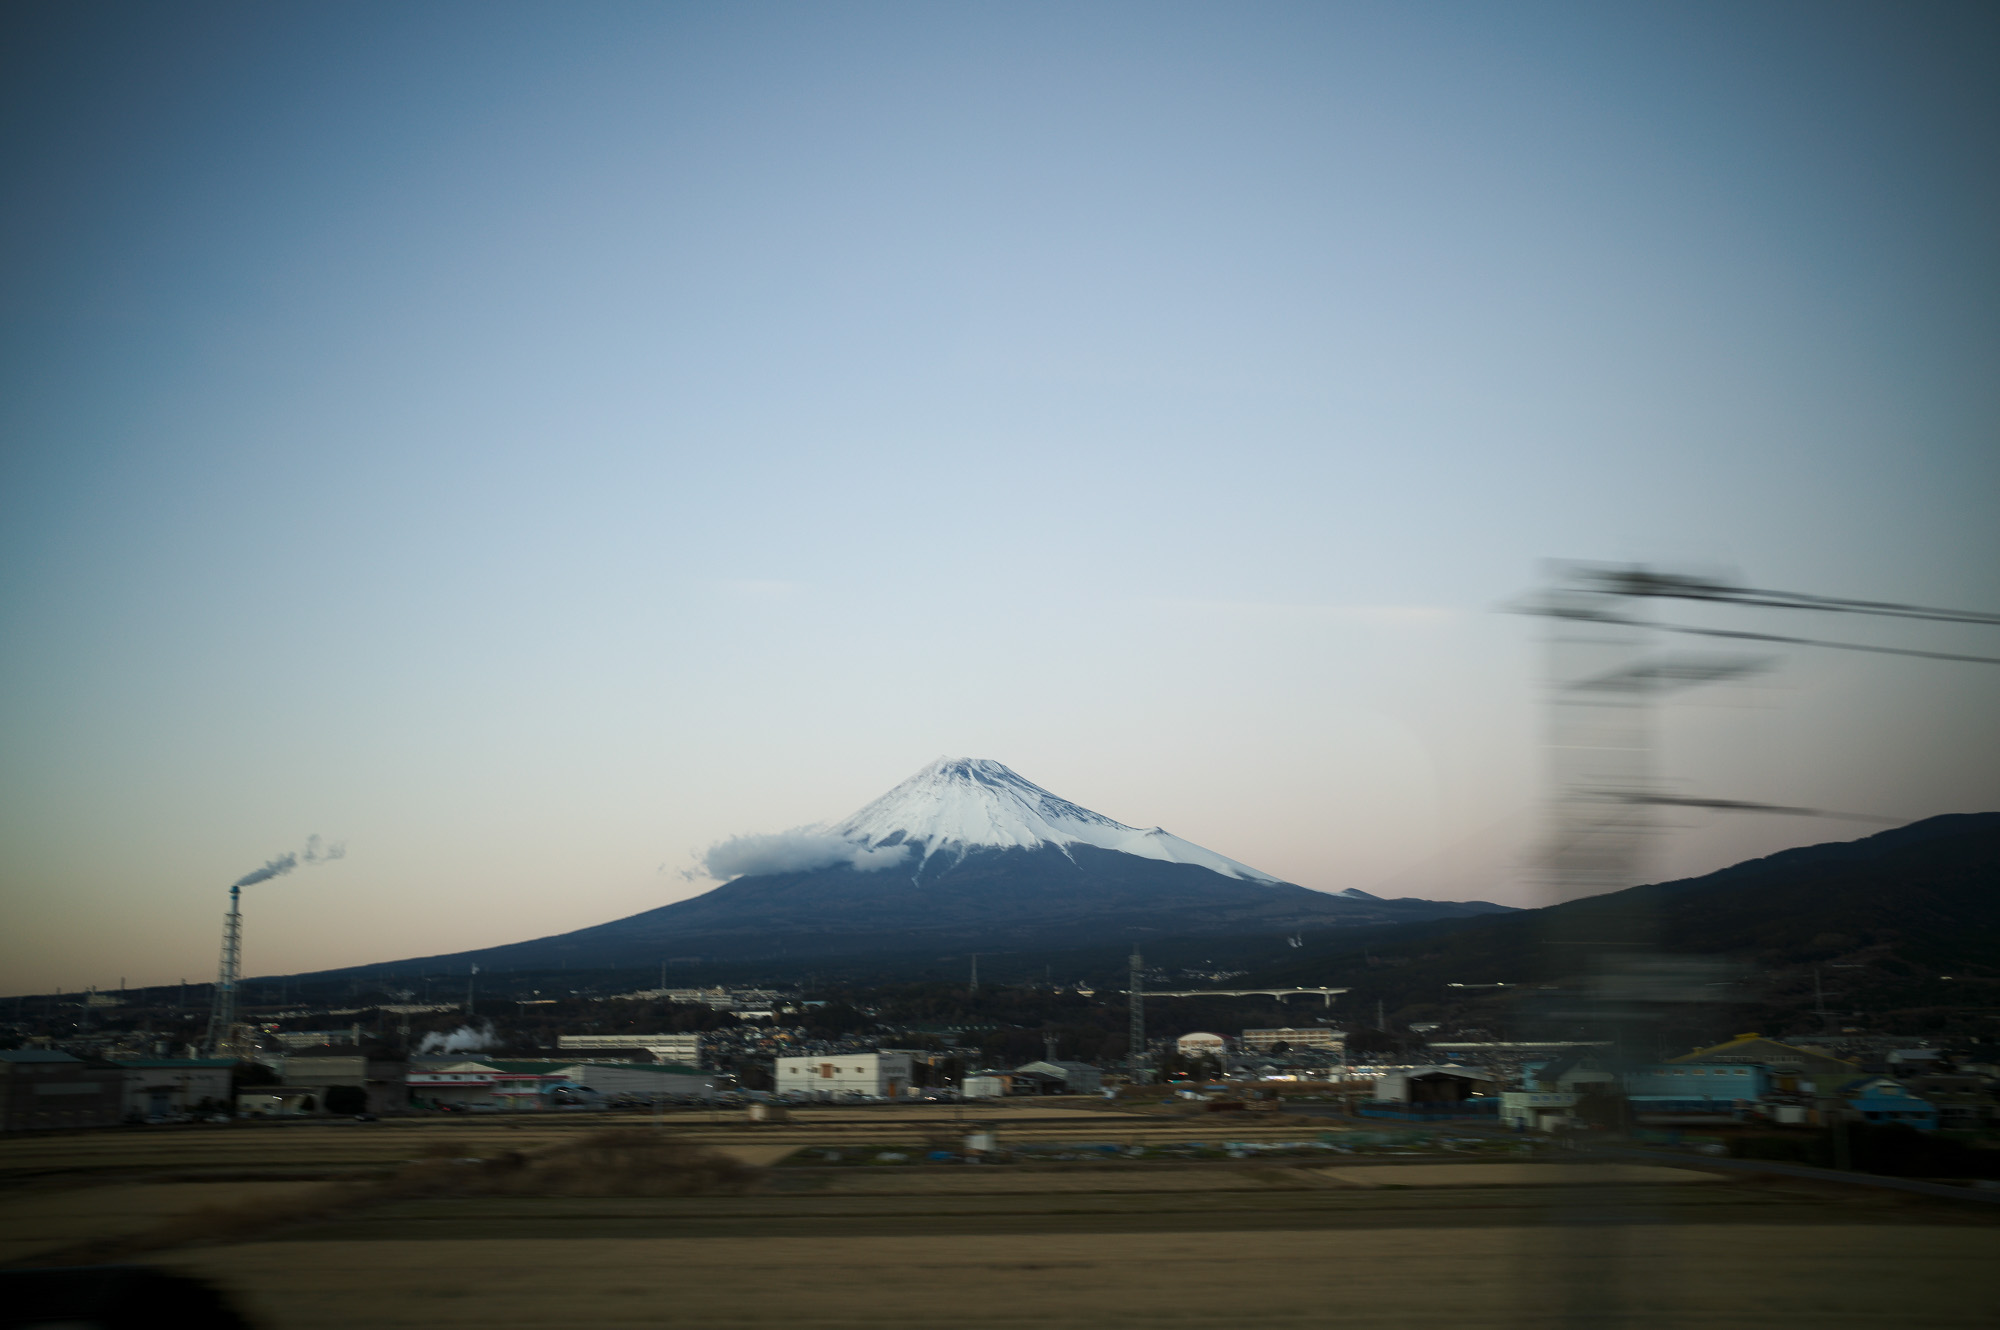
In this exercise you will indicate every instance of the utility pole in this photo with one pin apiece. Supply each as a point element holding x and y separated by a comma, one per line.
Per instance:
<point>975,972</point>
<point>1135,1057</point>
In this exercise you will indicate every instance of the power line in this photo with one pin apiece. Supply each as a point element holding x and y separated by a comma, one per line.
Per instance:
<point>1674,586</point>
<point>1740,635</point>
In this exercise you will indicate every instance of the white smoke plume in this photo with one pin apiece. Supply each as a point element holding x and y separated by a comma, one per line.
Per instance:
<point>795,852</point>
<point>314,853</point>
<point>465,1039</point>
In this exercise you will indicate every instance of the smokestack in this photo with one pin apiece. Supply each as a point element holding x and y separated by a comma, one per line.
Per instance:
<point>222,1014</point>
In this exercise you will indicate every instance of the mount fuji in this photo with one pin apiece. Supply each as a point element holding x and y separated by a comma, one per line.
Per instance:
<point>965,854</point>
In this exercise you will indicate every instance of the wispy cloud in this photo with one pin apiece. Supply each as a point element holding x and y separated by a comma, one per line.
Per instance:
<point>798,851</point>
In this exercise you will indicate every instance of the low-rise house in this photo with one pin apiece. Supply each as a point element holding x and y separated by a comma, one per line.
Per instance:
<point>1886,1100</point>
<point>41,1088</point>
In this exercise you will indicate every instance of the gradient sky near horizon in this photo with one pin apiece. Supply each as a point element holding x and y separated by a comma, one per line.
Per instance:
<point>533,443</point>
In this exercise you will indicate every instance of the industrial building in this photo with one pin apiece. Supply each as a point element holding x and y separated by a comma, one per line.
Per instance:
<point>41,1088</point>
<point>1798,1068</point>
<point>1433,1085</point>
<point>876,1075</point>
<point>1057,1077</point>
<point>517,1086</point>
<point>1201,1044</point>
<point>1317,1036</point>
<point>381,1082</point>
<point>684,1049</point>
<point>162,1087</point>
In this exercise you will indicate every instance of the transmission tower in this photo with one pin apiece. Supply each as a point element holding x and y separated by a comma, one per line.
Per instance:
<point>1605,675</point>
<point>221,1036</point>
<point>1605,672</point>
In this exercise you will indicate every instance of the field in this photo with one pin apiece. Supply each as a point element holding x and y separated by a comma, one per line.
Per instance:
<point>1101,1219</point>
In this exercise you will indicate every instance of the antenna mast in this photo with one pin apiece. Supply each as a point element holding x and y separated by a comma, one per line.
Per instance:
<point>1135,990</point>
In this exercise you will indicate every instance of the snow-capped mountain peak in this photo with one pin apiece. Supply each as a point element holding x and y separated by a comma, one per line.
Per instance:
<point>966,803</point>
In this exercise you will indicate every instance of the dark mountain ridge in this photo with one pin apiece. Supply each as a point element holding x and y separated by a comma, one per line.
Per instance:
<point>986,899</point>
<point>1904,918</point>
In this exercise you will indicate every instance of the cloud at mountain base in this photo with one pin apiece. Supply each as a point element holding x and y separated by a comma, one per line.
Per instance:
<point>795,852</point>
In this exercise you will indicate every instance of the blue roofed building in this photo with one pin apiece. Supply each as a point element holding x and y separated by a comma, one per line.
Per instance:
<point>1884,1099</point>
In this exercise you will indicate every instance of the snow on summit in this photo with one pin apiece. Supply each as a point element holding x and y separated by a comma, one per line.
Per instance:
<point>967,803</point>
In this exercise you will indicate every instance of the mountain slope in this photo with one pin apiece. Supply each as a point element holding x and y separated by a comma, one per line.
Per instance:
<point>991,861</point>
<point>1888,916</point>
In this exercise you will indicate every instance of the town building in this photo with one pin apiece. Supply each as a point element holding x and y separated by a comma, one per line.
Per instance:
<point>876,1075</point>
<point>1682,1092</point>
<point>646,1081</point>
<point>684,1049</point>
<point>1068,1077</point>
<point>1964,1101</point>
<point>1885,1100</point>
<point>271,1101</point>
<point>41,1088</point>
<point>510,1085</point>
<point>383,1084</point>
<point>1535,1110</point>
<point>1576,1071</point>
<point>1317,1036</point>
<point>164,1087</point>
<point>1799,1069</point>
<point>1432,1085</point>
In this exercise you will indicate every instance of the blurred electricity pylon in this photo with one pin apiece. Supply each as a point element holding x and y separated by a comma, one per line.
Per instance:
<point>1607,669</point>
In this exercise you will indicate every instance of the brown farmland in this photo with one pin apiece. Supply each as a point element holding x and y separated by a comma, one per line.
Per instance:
<point>394,1223</point>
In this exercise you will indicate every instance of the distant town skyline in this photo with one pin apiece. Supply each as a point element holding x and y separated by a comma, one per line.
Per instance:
<point>530,447</point>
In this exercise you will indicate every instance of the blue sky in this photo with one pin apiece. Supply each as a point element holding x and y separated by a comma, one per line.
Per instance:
<point>534,443</point>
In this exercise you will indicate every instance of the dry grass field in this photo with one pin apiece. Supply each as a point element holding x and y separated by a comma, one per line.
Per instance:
<point>1670,1278</point>
<point>400,1223</point>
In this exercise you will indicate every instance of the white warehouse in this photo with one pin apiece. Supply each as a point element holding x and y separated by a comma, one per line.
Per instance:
<point>878,1075</point>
